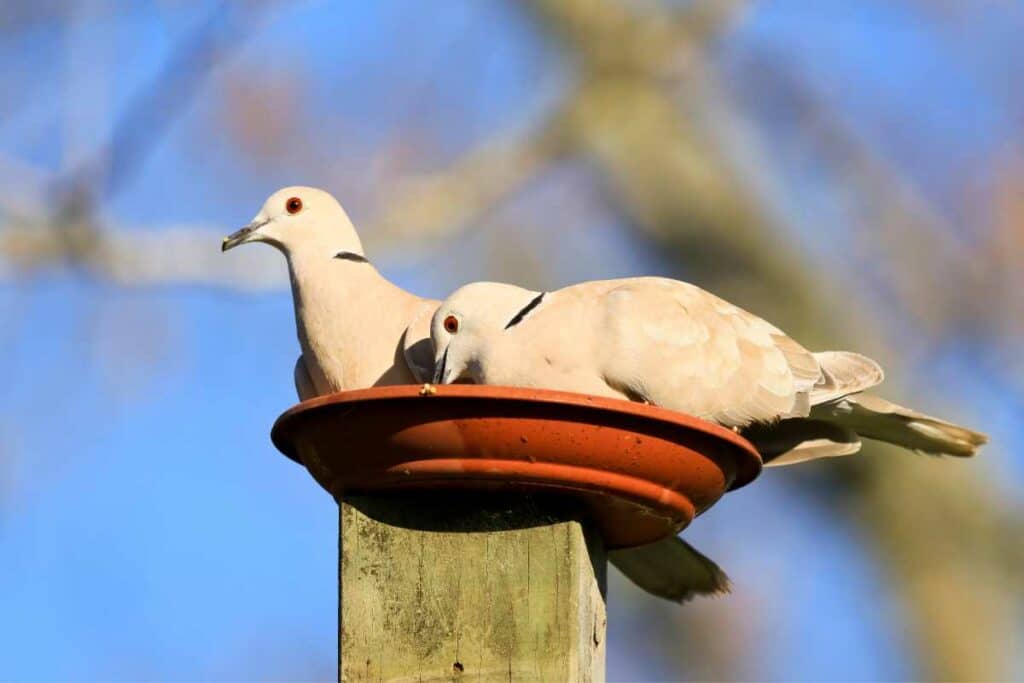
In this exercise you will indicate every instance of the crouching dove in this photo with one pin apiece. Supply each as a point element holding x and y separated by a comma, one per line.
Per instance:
<point>356,329</point>
<point>674,345</point>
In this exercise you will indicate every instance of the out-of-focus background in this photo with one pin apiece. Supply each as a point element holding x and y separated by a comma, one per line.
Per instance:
<point>854,172</point>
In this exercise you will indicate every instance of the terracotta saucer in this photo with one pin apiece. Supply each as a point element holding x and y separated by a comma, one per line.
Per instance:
<point>642,472</point>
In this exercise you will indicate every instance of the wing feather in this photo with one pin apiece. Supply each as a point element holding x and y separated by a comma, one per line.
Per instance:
<point>702,355</point>
<point>416,346</point>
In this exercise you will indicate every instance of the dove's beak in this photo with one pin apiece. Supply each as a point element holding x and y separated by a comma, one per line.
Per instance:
<point>441,370</point>
<point>242,235</point>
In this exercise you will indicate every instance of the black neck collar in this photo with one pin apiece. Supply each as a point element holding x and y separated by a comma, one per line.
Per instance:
<point>518,318</point>
<point>351,256</point>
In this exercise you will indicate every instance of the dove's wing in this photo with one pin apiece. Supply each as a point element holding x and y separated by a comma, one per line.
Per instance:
<point>675,345</point>
<point>303,383</point>
<point>844,373</point>
<point>416,345</point>
<point>671,569</point>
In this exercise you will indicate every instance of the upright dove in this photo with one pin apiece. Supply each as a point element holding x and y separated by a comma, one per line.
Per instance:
<point>674,345</point>
<point>356,329</point>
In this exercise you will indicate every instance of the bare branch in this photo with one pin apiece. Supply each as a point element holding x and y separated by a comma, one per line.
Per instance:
<point>175,255</point>
<point>22,187</point>
<point>669,177</point>
<point>894,217</point>
<point>704,20</point>
<point>444,203</point>
<point>156,106</point>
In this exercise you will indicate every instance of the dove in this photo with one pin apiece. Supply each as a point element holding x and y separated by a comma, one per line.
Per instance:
<point>355,328</point>
<point>358,330</point>
<point>672,344</point>
<point>675,345</point>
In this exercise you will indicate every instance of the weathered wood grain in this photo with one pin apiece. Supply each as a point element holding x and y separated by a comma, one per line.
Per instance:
<point>447,587</point>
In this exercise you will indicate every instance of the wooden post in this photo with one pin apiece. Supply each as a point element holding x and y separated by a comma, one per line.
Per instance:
<point>449,585</point>
<point>461,582</point>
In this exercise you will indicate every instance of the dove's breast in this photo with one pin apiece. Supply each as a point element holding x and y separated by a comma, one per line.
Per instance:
<point>349,322</point>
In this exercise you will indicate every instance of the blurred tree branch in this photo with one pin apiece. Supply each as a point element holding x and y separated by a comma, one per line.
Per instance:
<point>67,230</point>
<point>157,105</point>
<point>439,204</point>
<point>676,186</point>
<point>671,181</point>
<point>895,219</point>
<point>647,113</point>
<point>171,255</point>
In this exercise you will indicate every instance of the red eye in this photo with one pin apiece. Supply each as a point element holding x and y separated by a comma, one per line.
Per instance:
<point>293,205</point>
<point>451,323</point>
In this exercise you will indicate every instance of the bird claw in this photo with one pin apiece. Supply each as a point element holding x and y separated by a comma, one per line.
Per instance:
<point>428,389</point>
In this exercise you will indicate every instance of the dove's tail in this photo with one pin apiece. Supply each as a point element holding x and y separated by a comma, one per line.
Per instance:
<point>872,417</point>
<point>671,569</point>
<point>841,414</point>
<point>836,428</point>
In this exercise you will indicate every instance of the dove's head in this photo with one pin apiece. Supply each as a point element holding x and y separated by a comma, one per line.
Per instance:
<point>301,220</point>
<point>468,321</point>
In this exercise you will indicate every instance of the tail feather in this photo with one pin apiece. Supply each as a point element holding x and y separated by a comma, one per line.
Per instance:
<point>796,440</point>
<point>671,569</point>
<point>841,414</point>
<point>844,373</point>
<point>875,418</point>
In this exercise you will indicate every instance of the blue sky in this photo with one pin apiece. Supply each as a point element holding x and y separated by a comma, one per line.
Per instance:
<point>148,528</point>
